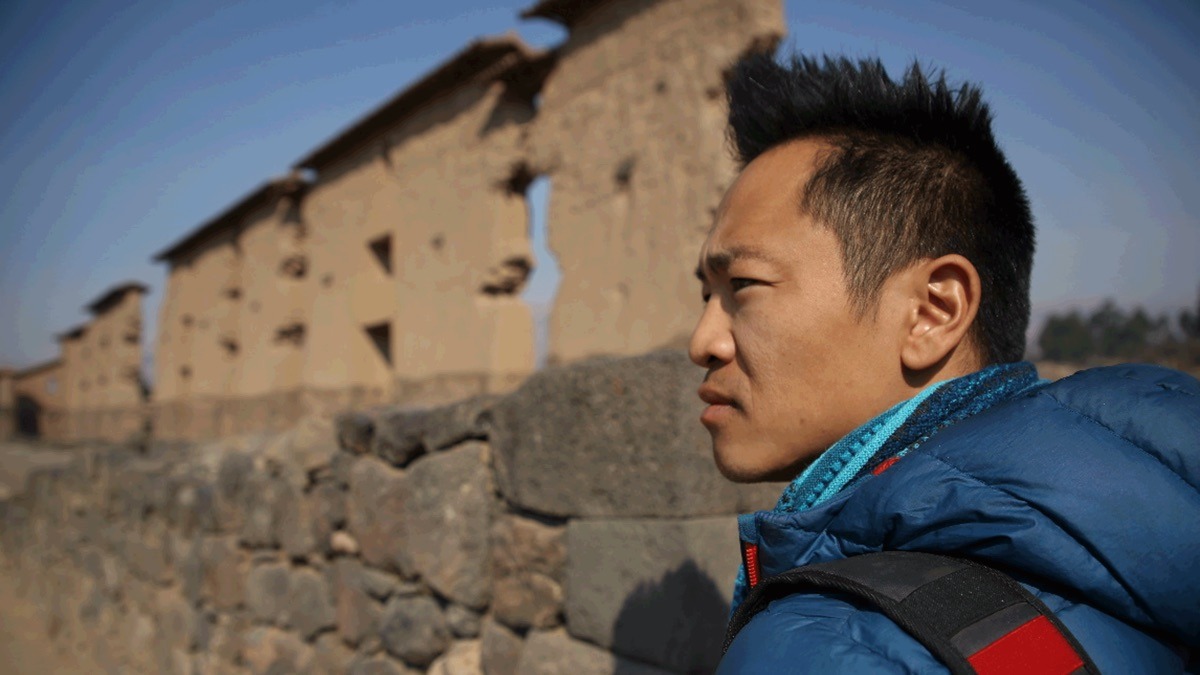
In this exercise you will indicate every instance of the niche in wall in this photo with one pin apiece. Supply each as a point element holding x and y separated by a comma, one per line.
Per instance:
<point>380,335</point>
<point>381,249</point>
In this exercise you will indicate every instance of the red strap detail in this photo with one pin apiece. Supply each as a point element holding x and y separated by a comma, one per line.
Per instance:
<point>885,465</point>
<point>750,559</point>
<point>1034,648</point>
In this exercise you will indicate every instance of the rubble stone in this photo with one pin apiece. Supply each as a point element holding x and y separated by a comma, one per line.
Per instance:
<point>463,622</point>
<point>398,435</point>
<point>375,507</point>
<point>377,665</point>
<point>357,614</point>
<point>355,431</point>
<point>500,648</point>
<point>551,653</point>
<point>610,438</point>
<point>530,600</point>
<point>270,650</point>
<point>414,630</point>
<point>654,590</point>
<point>310,604</point>
<point>342,542</point>
<point>447,519</point>
<point>463,658</point>
<point>331,656</point>
<point>224,573</point>
<point>267,591</point>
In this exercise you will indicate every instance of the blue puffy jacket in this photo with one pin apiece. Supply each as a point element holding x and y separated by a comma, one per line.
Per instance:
<point>1086,490</point>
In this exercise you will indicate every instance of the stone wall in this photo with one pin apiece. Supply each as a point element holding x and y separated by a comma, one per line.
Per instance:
<point>577,525</point>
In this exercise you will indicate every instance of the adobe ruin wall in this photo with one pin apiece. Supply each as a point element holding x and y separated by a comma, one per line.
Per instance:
<point>94,390</point>
<point>576,525</point>
<point>389,267</point>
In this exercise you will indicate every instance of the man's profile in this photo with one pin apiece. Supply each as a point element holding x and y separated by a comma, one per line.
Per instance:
<point>866,297</point>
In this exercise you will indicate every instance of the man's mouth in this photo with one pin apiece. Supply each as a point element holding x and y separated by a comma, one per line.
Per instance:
<point>713,397</point>
<point>719,407</point>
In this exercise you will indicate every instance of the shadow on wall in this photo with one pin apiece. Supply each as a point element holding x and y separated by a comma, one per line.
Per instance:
<point>677,621</point>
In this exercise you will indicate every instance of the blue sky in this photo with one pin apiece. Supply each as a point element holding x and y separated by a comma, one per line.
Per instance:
<point>127,124</point>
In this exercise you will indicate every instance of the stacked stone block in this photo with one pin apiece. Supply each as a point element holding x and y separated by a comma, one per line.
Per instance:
<point>576,526</point>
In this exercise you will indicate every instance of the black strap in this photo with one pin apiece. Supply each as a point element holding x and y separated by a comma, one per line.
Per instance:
<point>956,608</point>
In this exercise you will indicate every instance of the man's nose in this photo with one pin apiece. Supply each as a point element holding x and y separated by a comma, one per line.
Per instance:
<point>711,338</point>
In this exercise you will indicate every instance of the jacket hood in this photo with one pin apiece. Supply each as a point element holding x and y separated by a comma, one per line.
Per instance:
<point>1088,487</point>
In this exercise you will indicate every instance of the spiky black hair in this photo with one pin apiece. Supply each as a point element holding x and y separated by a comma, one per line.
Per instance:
<point>915,173</point>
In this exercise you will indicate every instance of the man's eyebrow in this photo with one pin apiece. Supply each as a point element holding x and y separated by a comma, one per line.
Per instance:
<point>719,261</point>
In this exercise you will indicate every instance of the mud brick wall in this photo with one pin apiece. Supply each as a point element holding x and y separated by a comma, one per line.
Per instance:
<point>576,526</point>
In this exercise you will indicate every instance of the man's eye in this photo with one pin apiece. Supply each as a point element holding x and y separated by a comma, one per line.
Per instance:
<point>738,283</point>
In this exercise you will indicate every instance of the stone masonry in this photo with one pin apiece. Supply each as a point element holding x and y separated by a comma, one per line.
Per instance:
<point>577,525</point>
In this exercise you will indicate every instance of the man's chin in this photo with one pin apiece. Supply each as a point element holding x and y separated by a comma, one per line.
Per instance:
<point>734,466</point>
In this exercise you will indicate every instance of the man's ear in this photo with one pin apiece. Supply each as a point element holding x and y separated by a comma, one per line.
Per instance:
<point>946,293</point>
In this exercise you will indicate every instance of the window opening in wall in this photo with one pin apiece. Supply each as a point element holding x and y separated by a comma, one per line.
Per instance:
<point>381,248</point>
<point>52,386</point>
<point>380,335</point>
<point>292,333</point>
<point>294,266</point>
<point>185,372</point>
<point>624,173</point>
<point>543,282</point>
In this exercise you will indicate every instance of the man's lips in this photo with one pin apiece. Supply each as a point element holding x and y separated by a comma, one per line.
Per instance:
<point>719,405</point>
<point>713,397</point>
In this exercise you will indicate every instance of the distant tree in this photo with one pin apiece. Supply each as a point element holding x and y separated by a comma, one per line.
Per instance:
<point>1106,324</point>
<point>1111,333</point>
<point>1189,321</point>
<point>1066,338</point>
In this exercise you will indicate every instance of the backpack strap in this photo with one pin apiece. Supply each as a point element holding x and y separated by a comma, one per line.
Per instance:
<point>972,618</point>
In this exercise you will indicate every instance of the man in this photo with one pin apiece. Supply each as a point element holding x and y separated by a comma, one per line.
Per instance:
<point>866,296</point>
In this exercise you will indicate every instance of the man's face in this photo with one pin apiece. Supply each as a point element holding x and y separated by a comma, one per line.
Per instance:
<point>791,366</point>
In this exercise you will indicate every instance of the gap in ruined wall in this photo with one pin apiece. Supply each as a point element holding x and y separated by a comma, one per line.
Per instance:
<point>381,248</point>
<point>543,282</point>
<point>381,336</point>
